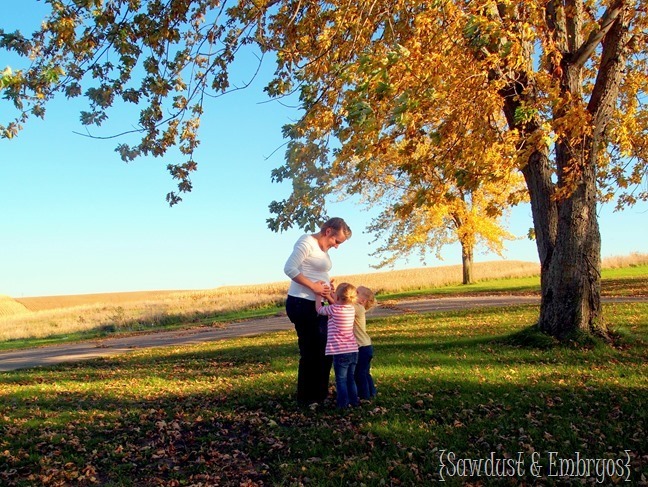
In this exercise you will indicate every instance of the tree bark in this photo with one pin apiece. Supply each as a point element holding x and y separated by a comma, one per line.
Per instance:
<point>537,175</point>
<point>569,247</point>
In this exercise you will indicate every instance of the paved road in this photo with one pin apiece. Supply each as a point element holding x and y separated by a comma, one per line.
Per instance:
<point>55,354</point>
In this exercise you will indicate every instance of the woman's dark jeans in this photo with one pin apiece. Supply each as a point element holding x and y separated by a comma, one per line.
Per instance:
<point>314,366</point>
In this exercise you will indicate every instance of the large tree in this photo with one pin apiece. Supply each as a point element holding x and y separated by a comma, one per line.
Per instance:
<point>567,79</point>
<point>553,89</point>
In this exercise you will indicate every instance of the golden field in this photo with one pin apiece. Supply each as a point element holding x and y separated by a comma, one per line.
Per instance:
<point>39,317</point>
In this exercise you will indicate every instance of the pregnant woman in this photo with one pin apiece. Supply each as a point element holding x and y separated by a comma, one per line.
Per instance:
<point>308,268</point>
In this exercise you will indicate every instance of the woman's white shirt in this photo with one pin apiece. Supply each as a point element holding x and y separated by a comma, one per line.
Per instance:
<point>308,259</point>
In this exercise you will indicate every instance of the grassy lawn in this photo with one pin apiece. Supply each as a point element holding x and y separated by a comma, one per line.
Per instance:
<point>476,384</point>
<point>626,281</point>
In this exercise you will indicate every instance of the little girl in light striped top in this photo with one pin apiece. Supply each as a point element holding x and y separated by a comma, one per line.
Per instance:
<point>341,342</point>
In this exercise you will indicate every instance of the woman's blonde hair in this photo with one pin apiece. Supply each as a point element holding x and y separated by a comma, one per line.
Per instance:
<point>368,294</point>
<point>346,292</point>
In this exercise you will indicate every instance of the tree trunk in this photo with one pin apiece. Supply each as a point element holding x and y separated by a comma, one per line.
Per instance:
<point>571,281</point>
<point>569,247</point>
<point>467,262</point>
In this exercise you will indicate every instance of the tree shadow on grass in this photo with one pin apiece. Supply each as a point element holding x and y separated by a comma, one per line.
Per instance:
<point>224,414</point>
<point>637,286</point>
<point>246,434</point>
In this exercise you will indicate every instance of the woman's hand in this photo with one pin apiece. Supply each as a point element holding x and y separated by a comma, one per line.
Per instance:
<point>321,288</point>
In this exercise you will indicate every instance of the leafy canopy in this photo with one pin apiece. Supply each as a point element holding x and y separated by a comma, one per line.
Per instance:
<point>408,88</point>
<point>391,90</point>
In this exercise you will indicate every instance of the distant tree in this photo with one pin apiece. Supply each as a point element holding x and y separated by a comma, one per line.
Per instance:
<point>425,224</point>
<point>426,211</point>
<point>554,89</point>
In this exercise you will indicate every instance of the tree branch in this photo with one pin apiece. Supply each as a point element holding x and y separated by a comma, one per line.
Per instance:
<point>607,21</point>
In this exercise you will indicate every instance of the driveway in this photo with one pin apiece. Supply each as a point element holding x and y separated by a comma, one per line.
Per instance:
<point>71,352</point>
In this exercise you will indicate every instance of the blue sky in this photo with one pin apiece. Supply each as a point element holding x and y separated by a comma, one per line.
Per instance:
<point>79,220</point>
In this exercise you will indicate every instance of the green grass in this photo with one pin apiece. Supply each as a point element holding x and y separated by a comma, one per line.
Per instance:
<point>520,285</point>
<point>615,282</point>
<point>625,272</point>
<point>474,383</point>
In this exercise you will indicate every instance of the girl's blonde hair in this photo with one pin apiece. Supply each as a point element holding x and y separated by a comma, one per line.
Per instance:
<point>368,295</point>
<point>346,293</point>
